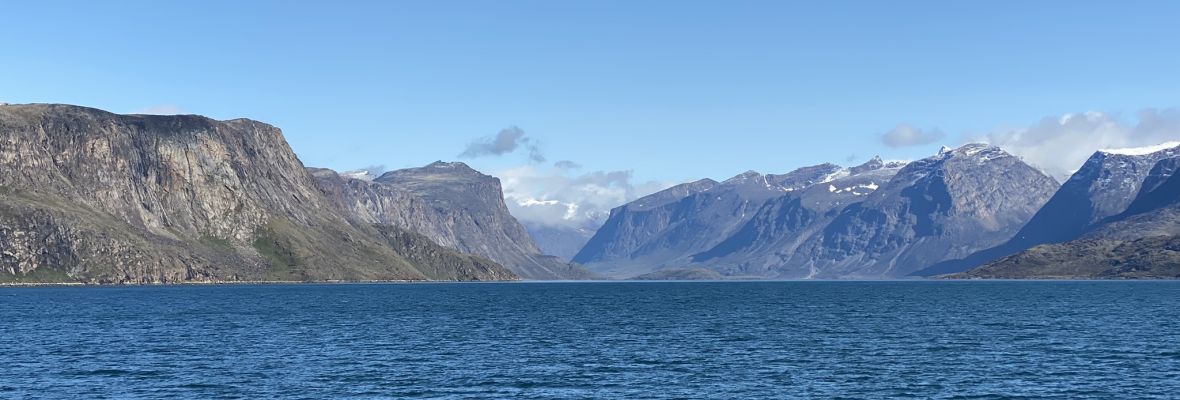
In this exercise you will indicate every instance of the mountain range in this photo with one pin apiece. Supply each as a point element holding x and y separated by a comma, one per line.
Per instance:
<point>91,196</point>
<point>95,197</point>
<point>971,212</point>
<point>876,220</point>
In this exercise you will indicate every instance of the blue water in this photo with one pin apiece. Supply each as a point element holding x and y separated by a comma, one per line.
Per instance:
<point>595,340</point>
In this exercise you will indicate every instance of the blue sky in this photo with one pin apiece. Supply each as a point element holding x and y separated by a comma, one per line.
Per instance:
<point>670,90</point>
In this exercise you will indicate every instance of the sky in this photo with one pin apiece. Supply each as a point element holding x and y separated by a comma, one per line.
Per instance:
<point>589,104</point>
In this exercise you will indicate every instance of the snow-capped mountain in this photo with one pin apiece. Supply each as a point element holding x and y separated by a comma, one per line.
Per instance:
<point>782,224</point>
<point>879,219</point>
<point>946,206</point>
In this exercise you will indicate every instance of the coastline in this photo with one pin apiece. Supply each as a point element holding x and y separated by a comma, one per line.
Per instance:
<point>407,281</point>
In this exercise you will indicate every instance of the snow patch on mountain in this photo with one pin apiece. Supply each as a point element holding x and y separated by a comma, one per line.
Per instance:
<point>362,174</point>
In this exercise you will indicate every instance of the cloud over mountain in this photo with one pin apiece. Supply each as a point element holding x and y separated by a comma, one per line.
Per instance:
<point>1060,144</point>
<point>554,197</point>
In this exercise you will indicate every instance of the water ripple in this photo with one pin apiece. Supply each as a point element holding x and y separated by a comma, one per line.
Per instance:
<point>946,340</point>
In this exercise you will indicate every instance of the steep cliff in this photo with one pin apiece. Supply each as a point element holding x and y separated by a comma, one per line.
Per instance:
<point>1104,186</point>
<point>93,196</point>
<point>451,204</point>
<point>1142,242</point>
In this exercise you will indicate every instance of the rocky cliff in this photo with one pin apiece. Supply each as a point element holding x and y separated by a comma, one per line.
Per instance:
<point>1104,186</point>
<point>93,196</point>
<point>1141,242</point>
<point>452,205</point>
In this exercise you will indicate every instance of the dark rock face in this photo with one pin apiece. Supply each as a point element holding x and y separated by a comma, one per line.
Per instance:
<point>98,197</point>
<point>1105,186</point>
<point>452,205</point>
<point>669,227</point>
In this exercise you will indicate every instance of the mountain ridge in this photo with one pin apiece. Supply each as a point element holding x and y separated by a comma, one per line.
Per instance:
<point>94,196</point>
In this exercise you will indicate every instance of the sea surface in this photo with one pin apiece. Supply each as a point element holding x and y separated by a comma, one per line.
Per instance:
<point>634,340</point>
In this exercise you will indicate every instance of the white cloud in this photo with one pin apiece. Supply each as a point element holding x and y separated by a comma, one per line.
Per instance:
<point>552,196</point>
<point>161,109</point>
<point>1060,144</point>
<point>908,135</point>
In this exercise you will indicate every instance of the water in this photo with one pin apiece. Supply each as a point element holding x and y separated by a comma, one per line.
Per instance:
<point>595,340</point>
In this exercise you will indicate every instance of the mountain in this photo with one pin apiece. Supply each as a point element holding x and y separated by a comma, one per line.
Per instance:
<point>875,220</point>
<point>560,241</point>
<point>665,229</point>
<point>886,220</point>
<point>451,204</point>
<point>942,207</point>
<point>91,196</point>
<point>1103,187</point>
<point>1142,242</point>
<point>765,245</point>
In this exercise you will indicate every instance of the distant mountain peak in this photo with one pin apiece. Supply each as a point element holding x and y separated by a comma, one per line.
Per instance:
<point>872,164</point>
<point>436,170</point>
<point>744,177</point>
<point>448,164</point>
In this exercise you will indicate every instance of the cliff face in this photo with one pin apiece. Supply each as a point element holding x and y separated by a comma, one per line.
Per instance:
<point>1141,242</point>
<point>93,196</point>
<point>1104,186</point>
<point>451,204</point>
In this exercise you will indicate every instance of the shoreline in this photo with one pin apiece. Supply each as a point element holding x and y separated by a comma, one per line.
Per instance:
<point>406,281</point>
